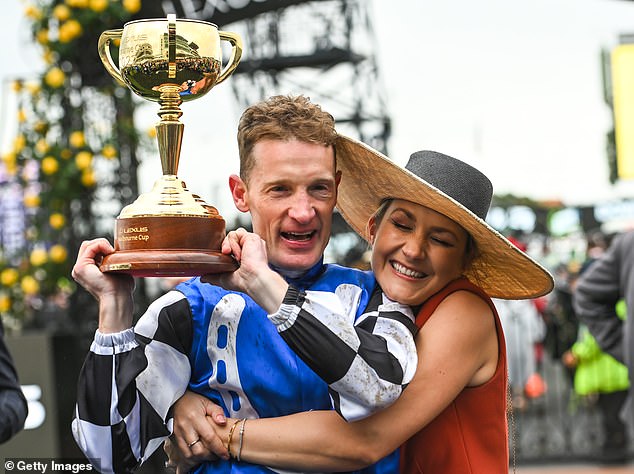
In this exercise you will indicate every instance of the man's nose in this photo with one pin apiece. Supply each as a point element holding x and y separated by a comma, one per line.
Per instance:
<point>302,209</point>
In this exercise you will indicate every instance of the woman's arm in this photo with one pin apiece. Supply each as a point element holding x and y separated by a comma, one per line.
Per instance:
<point>366,361</point>
<point>456,348</point>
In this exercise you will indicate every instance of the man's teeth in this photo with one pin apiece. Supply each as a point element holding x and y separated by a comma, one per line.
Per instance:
<point>406,271</point>
<point>297,236</point>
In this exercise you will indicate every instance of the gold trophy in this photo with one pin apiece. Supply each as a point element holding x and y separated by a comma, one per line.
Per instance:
<point>169,231</point>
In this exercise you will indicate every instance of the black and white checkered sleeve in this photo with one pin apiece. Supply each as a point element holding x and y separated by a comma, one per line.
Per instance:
<point>368,362</point>
<point>128,384</point>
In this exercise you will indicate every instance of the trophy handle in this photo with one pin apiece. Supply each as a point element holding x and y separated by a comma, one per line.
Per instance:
<point>236,54</point>
<point>104,53</point>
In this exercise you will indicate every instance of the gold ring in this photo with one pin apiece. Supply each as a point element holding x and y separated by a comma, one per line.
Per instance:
<point>193,443</point>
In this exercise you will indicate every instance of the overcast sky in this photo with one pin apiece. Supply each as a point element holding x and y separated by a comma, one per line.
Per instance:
<point>513,87</point>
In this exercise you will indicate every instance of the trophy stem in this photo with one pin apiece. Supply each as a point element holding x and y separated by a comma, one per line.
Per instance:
<point>169,131</point>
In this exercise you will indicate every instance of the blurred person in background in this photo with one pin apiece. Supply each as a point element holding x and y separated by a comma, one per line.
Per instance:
<point>13,407</point>
<point>599,376</point>
<point>523,328</point>
<point>562,325</point>
<point>606,281</point>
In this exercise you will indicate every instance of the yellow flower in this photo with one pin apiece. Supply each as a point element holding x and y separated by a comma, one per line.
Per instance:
<point>55,77</point>
<point>42,145</point>
<point>57,220</point>
<point>29,285</point>
<point>48,56</point>
<point>31,11</point>
<point>16,86</point>
<point>131,6</point>
<point>98,5</point>
<point>38,257</point>
<point>61,12</point>
<point>83,160</point>
<point>77,139</point>
<point>69,30</point>
<point>66,153</point>
<point>31,200</point>
<point>9,158</point>
<point>151,132</point>
<point>49,165</point>
<point>58,253</point>
<point>77,3</point>
<point>34,88</point>
<point>21,116</point>
<point>88,178</point>
<point>5,303</point>
<point>9,276</point>
<point>42,36</point>
<point>19,143</point>
<point>109,152</point>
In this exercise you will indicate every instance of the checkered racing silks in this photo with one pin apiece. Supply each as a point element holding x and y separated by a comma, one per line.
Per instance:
<point>222,345</point>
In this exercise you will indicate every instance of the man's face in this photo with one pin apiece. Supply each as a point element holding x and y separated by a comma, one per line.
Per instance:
<point>291,193</point>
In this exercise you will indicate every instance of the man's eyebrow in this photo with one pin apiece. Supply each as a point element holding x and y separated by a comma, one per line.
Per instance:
<point>275,181</point>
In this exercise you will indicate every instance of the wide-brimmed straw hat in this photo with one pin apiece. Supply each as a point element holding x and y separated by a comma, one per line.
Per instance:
<point>450,187</point>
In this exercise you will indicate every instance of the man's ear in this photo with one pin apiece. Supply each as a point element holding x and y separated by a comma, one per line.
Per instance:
<point>238,193</point>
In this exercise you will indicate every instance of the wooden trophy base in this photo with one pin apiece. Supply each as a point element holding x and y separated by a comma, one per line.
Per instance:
<point>168,246</point>
<point>167,263</point>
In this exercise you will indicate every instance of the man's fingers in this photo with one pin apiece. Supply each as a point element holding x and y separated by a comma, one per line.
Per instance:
<point>200,452</point>
<point>235,245</point>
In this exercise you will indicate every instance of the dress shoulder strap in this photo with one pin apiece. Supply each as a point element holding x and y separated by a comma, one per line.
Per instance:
<point>429,306</point>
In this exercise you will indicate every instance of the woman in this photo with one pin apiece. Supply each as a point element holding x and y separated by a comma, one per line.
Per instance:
<point>452,416</point>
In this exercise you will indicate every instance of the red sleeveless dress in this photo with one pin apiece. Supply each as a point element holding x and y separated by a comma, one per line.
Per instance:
<point>471,435</point>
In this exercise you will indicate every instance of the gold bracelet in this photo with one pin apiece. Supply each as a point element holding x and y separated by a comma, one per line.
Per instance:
<point>233,428</point>
<point>244,422</point>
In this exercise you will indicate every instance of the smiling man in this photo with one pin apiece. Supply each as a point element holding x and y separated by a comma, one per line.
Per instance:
<point>209,340</point>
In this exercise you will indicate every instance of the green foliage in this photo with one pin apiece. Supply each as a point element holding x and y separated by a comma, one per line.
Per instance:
<point>67,145</point>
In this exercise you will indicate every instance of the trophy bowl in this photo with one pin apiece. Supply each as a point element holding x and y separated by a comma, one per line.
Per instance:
<point>169,231</point>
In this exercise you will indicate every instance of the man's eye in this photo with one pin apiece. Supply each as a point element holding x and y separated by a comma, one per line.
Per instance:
<point>321,189</point>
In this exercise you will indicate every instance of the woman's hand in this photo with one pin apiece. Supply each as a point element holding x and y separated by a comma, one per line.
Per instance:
<point>198,430</point>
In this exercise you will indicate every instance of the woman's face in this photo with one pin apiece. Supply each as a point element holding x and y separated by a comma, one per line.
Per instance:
<point>416,251</point>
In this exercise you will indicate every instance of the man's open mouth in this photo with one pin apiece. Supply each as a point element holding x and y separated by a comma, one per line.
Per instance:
<point>298,236</point>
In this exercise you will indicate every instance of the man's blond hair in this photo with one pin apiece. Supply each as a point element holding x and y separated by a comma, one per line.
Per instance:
<point>282,117</point>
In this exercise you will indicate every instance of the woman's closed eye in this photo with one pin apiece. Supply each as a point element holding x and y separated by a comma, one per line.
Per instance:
<point>399,224</point>
<point>442,241</point>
